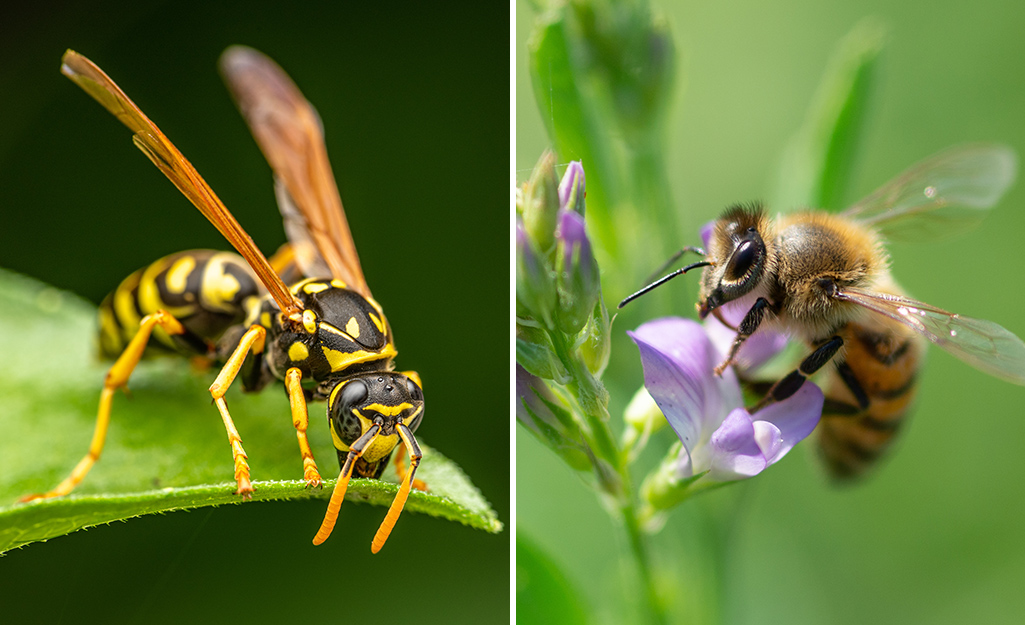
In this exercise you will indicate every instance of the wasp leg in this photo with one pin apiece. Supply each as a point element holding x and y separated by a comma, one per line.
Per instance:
<point>792,381</point>
<point>400,499</point>
<point>252,339</point>
<point>355,451</point>
<point>400,469</point>
<point>750,323</point>
<point>301,420</point>
<point>116,378</point>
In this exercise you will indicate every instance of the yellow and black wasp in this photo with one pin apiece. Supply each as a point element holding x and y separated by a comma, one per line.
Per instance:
<point>325,336</point>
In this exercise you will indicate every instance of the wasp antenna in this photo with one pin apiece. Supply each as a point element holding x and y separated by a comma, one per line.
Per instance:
<point>400,499</point>
<point>663,280</point>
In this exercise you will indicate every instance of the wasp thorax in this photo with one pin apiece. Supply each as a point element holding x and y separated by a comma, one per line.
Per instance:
<point>342,332</point>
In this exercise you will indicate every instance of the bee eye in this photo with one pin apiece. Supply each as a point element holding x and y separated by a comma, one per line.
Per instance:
<point>742,260</point>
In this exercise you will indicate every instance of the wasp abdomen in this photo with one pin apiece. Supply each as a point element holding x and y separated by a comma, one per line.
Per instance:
<point>205,290</point>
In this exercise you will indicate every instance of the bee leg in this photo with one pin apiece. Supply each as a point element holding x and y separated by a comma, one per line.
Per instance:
<point>400,469</point>
<point>338,494</point>
<point>400,499</point>
<point>252,339</point>
<point>301,419</point>
<point>116,378</point>
<point>750,323</point>
<point>790,383</point>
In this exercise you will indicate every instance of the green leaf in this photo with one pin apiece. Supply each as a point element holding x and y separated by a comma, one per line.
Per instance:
<point>543,592</point>
<point>166,449</point>
<point>571,123</point>
<point>818,161</point>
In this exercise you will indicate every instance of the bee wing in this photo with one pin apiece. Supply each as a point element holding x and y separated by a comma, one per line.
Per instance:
<point>982,344</point>
<point>289,133</point>
<point>940,195</point>
<point>177,168</point>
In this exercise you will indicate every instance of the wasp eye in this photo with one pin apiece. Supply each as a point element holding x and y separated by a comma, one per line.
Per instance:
<point>742,260</point>
<point>354,393</point>
<point>414,390</point>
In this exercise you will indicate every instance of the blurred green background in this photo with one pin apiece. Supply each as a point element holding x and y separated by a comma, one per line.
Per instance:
<point>415,102</point>
<point>934,536</point>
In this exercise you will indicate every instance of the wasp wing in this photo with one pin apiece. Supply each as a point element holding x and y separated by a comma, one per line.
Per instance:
<point>982,344</point>
<point>177,168</point>
<point>289,133</point>
<point>304,249</point>
<point>940,195</point>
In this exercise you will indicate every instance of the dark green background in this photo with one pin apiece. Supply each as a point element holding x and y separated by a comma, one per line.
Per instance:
<point>415,102</point>
<point>936,535</point>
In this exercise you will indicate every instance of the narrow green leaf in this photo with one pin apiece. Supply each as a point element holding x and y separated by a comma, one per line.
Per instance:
<point>818,161</point>
<point>166,449</point>
<point>570,120</point>
<point>543,592</point>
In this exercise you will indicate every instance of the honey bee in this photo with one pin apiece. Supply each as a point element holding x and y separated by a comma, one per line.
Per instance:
<point>825,278</point>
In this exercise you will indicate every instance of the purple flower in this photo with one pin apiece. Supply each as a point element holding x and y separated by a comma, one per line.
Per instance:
<point>721,440</point>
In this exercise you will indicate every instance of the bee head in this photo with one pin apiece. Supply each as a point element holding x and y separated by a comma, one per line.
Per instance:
<point>738,255</point>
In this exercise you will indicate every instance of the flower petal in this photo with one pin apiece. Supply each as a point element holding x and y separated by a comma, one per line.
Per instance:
<point>706,233</point>
<point>795,418</point>
<point>735,453</point>
<point>678,359</point>
<point>684,467</point>
<point>769,438</point>
<point>744,446</point>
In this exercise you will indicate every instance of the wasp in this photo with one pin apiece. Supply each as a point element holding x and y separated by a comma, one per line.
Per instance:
<point>324,336</point>
<point>825,278</point>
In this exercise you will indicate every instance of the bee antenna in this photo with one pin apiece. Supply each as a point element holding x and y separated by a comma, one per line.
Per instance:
<point>663,280</point>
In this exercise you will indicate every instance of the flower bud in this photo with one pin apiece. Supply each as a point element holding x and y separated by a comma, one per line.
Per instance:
<point>548,418</point>
<point>642,413</point>
<point>571,188</point>
<point>577,271</point>
<point>597,343</point>
<point>541,203</point>
<point>535,284</point>
<point>536,354</point>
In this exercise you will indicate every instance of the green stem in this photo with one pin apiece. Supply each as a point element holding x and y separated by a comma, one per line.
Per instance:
<point>590,396</point>
<point>588,391</point>
<point>639,549</point>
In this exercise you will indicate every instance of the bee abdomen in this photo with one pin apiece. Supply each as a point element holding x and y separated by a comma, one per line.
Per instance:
<point>205,290</point>
<point>869,397</point>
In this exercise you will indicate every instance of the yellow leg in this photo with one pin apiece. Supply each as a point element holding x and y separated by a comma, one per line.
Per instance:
<point>116,378</point>
<point>253,339</point>
<point>400,499</point>
<point>355,451</point>
<point>301,420</point>
<point>400,468</point>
